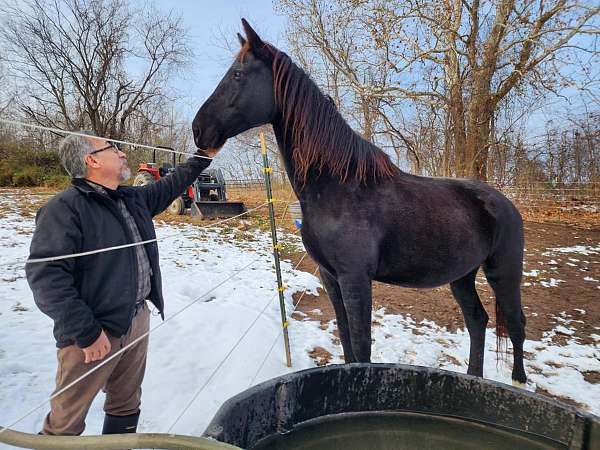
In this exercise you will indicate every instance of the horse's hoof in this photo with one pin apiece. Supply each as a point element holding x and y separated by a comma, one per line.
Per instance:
<point>518,384</point>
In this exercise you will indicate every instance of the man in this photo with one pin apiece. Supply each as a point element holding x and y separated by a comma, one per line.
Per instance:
<point>98,301</point>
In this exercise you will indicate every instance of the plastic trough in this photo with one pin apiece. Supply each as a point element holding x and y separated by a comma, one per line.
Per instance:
<point>385,406</point>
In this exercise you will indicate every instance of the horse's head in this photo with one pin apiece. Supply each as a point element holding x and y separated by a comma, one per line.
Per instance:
<point>243,99</point>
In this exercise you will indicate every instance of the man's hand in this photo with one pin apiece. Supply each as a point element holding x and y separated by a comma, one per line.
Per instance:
<point>98,350</point>
<point>212,152</point>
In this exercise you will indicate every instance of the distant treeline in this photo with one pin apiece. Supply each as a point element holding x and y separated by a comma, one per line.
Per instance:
<point>23,166</point>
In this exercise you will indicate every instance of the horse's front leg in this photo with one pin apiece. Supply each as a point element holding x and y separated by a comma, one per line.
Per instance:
<point>335,296</point>
<point>357,298</point>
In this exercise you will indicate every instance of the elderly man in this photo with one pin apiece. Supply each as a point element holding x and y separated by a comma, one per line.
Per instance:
<point>98,301</point>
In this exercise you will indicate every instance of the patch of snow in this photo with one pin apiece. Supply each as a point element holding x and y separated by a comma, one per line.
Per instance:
<point>564,330</point>
<point>579,249</point>
<point>552,283</point>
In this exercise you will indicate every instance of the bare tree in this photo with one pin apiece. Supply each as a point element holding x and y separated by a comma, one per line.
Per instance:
<point>97,64</point>
<point>462,57</point>
<point>6,96</point>
<point>571,154</point>
<point>166,127</point>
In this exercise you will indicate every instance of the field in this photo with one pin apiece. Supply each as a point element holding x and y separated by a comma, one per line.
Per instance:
<point>561,297</point>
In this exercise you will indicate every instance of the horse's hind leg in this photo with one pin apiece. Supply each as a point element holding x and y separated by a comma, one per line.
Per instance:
<point>335,295</point>
<point>504,275</point>
<point>475,317</point>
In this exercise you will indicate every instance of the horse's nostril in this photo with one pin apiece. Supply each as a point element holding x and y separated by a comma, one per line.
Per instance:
<point>196,131</point>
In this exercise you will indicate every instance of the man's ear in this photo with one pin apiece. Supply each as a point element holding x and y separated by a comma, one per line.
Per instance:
<point>90,161</point>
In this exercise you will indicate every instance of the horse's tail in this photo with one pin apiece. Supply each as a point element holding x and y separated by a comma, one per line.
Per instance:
<point>501,334</point>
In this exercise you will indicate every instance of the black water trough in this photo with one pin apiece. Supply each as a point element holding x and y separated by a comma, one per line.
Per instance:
<point>391,406</point>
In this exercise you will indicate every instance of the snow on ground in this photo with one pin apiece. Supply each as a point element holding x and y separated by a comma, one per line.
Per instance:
<point>556,369</point>
<point>585,250</point>
<point>186,350</point>
<point>586,208</point>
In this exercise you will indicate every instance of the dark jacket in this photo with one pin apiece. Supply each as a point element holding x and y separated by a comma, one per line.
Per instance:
<point>86,294</point>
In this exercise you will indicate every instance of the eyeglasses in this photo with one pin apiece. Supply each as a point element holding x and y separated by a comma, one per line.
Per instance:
<point>112,145</point>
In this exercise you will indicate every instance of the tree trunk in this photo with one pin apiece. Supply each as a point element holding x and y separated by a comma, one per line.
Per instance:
<point>368,118</point>
<point>458,132</point>
<point>478,130</point>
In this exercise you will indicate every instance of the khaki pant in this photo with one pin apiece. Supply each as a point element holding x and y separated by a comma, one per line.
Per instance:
<point>121,379</point>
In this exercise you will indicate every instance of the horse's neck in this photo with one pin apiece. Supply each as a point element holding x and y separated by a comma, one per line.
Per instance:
<point>286,149</point>
<point>314,185</point>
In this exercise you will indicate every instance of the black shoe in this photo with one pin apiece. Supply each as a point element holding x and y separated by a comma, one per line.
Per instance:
<point>120,424</point>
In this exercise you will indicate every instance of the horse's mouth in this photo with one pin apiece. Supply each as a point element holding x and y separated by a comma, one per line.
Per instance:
<point>219,145</point>
<point>216,149</point>
<point>217,142</point>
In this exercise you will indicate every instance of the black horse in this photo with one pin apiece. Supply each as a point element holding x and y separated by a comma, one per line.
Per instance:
<point>363,218</point>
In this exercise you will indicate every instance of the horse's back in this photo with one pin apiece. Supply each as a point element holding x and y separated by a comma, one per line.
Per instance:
<point>484,205</point>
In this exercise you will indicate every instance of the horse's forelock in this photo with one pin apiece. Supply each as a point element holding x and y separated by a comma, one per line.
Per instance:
<point>243,52</point>
<point>267,50</point>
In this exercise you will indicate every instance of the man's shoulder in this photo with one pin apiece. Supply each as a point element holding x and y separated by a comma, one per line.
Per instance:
<point>65,199</point>
<point>67,195</point>
<point>128,190</point>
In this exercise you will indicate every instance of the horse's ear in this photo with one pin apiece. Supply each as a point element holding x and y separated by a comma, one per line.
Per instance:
<point>255,41</point>
<point>241,39</point>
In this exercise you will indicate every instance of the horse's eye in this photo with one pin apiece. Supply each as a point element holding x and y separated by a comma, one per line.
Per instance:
<point>237,74</point>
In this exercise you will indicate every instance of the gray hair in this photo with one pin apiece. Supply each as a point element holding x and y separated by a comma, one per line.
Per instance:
<point>72,151</point>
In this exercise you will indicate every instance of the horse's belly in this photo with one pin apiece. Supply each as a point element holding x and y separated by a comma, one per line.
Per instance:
<point>418,283</point>
<point>432,272</point>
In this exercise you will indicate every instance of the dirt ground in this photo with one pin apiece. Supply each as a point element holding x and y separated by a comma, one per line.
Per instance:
<point>572,298</point>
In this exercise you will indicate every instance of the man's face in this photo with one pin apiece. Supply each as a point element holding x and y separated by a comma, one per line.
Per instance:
<point>108,160</point>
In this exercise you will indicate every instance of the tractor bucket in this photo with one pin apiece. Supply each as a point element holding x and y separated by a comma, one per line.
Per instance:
<point>214,209</point>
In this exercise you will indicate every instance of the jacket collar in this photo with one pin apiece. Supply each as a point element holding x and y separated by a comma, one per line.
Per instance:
<point>84,187</point>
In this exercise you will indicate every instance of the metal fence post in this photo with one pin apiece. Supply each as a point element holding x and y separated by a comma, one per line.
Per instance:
<point>276,247</point>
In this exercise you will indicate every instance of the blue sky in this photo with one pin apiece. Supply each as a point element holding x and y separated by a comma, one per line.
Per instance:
<point>207,22</point>
<point>210,22</point>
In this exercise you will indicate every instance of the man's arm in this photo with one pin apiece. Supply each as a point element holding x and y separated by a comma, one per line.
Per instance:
<point>58,232</point>
<point>161,194</point>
